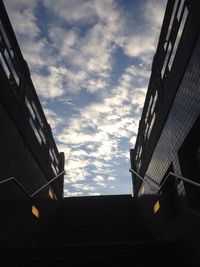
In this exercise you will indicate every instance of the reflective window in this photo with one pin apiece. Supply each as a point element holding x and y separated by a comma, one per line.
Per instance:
<point>4,66</point>
<point>51,155</point>
<point>165,45</point>
<point>53,168</point>
<point>37,113</point>
<point>152,122</point>
<point>172,19</point>
<point>154,102</point>
<point>151,125</point>
<point>178,37</point>
<point>139,165</point>
<point>11,66</point>
<point>42,135</point>
<point>55,157</point>
<point>35,131</point>
<point>146,131</point>
<point>149,106</point>
<point>57,169</point>
<point>3,32</point>
<point>166,59</point>
<point>180,9</point>
<point>139,151</point>
<point>30,108</point>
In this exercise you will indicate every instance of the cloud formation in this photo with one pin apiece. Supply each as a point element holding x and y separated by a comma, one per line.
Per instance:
<point>90,62</point>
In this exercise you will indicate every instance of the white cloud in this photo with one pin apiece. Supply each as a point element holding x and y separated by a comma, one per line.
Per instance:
<point>100,127</point>
<point>83,11</point>
<point>141,42</point>
<point>154,12</point>
<point>89,55</point>
<point>98,178</point>
<point>133,140</point>
<point>53,119</point>
<point>111,178</point>
<point>50,86</point>
<point>84,187</point>
<point>21,14</point>
<point>94,194</point>
<point>73,54</point>
<point>112,187</point>
<point>75,174</point>
<point>67,193</point>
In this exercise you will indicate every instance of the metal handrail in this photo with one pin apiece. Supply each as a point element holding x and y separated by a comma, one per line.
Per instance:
<point>24,189</point>
<point>17,183</point>
<point>141,178</point>
<point>161,186</point>
<point>179,177</point>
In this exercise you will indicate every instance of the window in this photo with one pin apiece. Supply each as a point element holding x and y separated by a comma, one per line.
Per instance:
<point>37,114</point>
<point>180,9</point>
<point>53,168</point>
<point>165,45</point>
<point>151,125</point>
<point>57,169</point>
<point>51,155</point>
<point>4,66</point>
<point>11,66</point>
<point>140,152</point>
<point>35,131</point>
<point>166,59</point>
<point>3,32</point>
<point>154,102</point>
<point>42,135</point>
<point>146,131</point>
<point>55,157</point>
<point>30,108</point>
<point>152,121</point>
<point>178,37</point>
<point>38,132</point>
<point>149,106</point>
<point>172,19</point>
<point>139,166</point>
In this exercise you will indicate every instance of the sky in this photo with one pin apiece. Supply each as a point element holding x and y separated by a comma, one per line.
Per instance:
<point>90,62</point>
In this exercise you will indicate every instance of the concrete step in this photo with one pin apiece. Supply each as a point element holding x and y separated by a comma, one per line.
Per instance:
<point>93,254</point>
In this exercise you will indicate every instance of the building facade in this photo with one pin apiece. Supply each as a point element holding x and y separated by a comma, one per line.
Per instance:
<point>28,150</point>
<point>167,145</point>
<point>29,158</point>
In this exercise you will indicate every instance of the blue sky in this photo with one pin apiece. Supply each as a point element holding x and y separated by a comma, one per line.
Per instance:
<point>90,62</point>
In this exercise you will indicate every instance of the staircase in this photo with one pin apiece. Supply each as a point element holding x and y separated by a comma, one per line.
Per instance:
<point>93,231</point>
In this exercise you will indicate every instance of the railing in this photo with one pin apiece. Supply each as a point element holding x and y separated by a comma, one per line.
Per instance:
<point>179,177</point>
<point>24,189</point>
<point>145,181</point>
<point>158,190</point>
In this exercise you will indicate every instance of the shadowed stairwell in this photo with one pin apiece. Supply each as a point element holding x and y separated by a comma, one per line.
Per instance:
<point>159,226</point>
<point>91,231</point>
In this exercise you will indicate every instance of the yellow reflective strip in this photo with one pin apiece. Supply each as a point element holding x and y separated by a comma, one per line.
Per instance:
<point>156,207</point>
<point>35,211</point>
